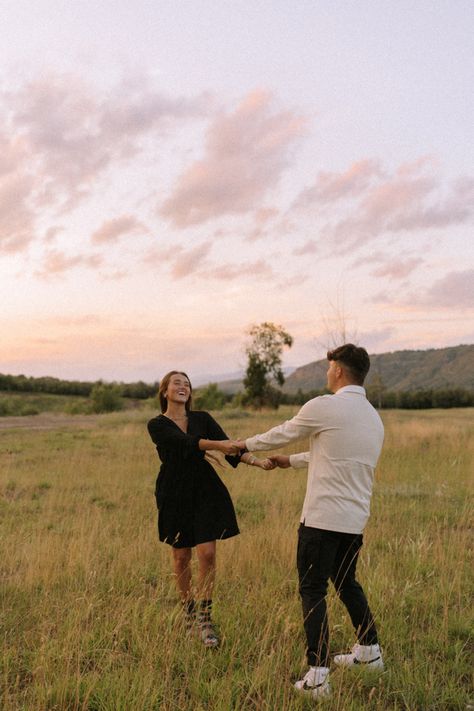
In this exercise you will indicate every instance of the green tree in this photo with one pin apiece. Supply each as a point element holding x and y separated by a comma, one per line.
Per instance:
<point>106,397</point>
<point>209,398</point>
<point>264,364</point>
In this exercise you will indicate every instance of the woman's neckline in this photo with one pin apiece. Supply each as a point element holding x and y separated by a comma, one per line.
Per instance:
<point>184,419</point>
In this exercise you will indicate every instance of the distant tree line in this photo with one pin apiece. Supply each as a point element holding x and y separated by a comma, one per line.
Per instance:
<point>422,399</point>
<point>106,397</point>
<point>55,386</point>
<point>211,398</point>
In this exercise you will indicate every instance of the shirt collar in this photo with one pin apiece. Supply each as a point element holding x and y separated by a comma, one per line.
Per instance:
<point>351,389</point>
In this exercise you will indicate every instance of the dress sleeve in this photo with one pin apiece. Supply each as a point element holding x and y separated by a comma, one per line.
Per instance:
<point>215,431</point>
<point>165,434</point>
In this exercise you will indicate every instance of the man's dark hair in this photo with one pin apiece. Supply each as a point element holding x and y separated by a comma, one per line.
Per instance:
<point>355,359</point>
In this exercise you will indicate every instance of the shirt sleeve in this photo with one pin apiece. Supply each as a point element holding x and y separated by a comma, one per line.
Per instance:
<point>165,434</point>
<point>308,421</point>
<point>300,460</point>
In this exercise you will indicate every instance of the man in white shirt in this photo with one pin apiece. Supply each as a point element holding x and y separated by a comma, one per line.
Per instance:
<point>345,437</point>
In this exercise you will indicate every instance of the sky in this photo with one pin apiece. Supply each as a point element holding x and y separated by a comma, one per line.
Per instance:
<point>173,172</point>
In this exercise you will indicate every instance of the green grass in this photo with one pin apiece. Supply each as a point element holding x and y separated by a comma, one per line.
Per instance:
<point>88,609</point>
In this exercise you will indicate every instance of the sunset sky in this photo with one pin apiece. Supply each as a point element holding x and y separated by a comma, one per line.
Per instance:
<point>174,171</point>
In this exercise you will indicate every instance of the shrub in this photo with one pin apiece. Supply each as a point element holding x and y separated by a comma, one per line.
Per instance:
<point>106,398</point>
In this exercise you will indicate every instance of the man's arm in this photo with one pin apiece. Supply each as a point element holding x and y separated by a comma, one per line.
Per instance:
<point>297,461</point>
<point>309,420</point>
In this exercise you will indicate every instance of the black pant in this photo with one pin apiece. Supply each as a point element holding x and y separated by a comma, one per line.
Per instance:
<point>323,556</point>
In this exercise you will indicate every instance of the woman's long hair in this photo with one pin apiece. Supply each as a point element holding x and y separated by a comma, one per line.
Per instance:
<point>164,382</point>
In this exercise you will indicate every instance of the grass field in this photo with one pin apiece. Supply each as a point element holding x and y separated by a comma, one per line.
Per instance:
<point>88,606</point>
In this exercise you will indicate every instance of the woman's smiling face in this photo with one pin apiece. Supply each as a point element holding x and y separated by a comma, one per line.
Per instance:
<point>179,389</point>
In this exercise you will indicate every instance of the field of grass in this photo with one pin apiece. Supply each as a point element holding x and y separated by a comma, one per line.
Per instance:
<point>88,612</point>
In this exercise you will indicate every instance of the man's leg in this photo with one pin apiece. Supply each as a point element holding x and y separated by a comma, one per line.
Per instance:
<point>316,554</point>
<point>354,599</point>
<point>350,591</point>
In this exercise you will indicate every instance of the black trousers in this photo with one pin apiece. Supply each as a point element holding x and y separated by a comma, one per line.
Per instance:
<point>323,556</point>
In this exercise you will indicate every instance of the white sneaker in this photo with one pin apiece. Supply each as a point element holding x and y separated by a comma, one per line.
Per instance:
<point>368,655</point>
<point>315,682</point>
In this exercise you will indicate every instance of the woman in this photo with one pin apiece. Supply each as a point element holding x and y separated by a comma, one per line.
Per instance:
<point>194,506</point>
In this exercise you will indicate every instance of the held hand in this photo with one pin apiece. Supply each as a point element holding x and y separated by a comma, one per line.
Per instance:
<point>266,464</point>
<point>280,460</point>
<point>228,446</point>
<point>240,443</point>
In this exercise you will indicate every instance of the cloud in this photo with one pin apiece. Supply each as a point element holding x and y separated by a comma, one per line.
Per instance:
<point>452,291</point>
<point>56,263</point>
<point>184,261</point>
<point>262,218</point>
<point>232,271</point>
<point>113,229</point>
<point>52,232</point>
<point>375,202</point>
<point>60,136</point>
<point>397,268</point>
<point>246,153</point>
<point>17,215</point>
<point>372,340</point>
<point>75,132</point>
<point>187,261</point>
<point>331,187</point>
<point>309,247</point>
<point>455,290</point>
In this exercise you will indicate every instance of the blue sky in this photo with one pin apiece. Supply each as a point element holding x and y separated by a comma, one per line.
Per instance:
<point>173,172</point>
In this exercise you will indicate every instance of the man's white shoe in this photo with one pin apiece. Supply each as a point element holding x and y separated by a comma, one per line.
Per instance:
<point>366,655</point>
<point>315,682</point>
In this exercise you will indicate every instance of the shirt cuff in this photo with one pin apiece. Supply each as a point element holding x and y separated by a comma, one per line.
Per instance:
<point>299,461</point>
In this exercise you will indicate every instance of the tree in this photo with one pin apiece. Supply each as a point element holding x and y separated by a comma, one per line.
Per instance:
<point>106,397</point>
<point>264,364</point>
<point>209,398</point>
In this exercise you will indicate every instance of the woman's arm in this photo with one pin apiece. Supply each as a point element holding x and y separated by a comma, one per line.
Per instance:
<point>215,432</point>
<point>165,434</point>
<point>254,461</point>
<point>226,446</point>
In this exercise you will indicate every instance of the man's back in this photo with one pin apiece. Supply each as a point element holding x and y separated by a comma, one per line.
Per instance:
<point>345,439</point>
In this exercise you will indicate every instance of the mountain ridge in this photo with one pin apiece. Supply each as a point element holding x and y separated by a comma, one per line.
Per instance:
<point>404,370</point>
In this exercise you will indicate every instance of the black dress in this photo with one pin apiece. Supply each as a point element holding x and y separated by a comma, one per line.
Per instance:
<point>193,503</point>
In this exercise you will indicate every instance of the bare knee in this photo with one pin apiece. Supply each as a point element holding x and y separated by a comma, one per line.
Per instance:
<point>207,557</point>
<point>181,558</point>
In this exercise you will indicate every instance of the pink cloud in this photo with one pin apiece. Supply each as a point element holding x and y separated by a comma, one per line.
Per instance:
<point>403,204</point>
<point>245,155</point>
<point>52,232</point>
<point>397,268</point>
<point>60,135</point>
<point>455,290</point>
<point>309,247</point>
<point>232,271</point>
<point>187,261</point>
<point>17,215</point>
<point>113,229</point>
<point>56,263</point>
<point>330,187</point>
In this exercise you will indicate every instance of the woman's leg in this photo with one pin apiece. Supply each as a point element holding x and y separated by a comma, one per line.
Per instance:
<point>206,554</point>
<point>182,571</point>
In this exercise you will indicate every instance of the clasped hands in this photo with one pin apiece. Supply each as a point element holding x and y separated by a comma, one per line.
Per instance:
<point>234,447</point>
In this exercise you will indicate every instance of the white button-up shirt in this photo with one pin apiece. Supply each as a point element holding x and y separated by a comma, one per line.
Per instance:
<point>345,439</point>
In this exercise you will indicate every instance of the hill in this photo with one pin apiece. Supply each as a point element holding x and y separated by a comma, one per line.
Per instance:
<point>436,368</point>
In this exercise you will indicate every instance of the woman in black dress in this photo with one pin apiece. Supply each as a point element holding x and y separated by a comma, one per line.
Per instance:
<point>194,506</point>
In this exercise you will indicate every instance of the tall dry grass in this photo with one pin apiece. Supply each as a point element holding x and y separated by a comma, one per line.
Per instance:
<point>88,606</point>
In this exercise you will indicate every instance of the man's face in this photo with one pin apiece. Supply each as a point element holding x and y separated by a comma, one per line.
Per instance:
<point>333,375</point>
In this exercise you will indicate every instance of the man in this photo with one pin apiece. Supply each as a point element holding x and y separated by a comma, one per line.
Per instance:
<point>346,436</point>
